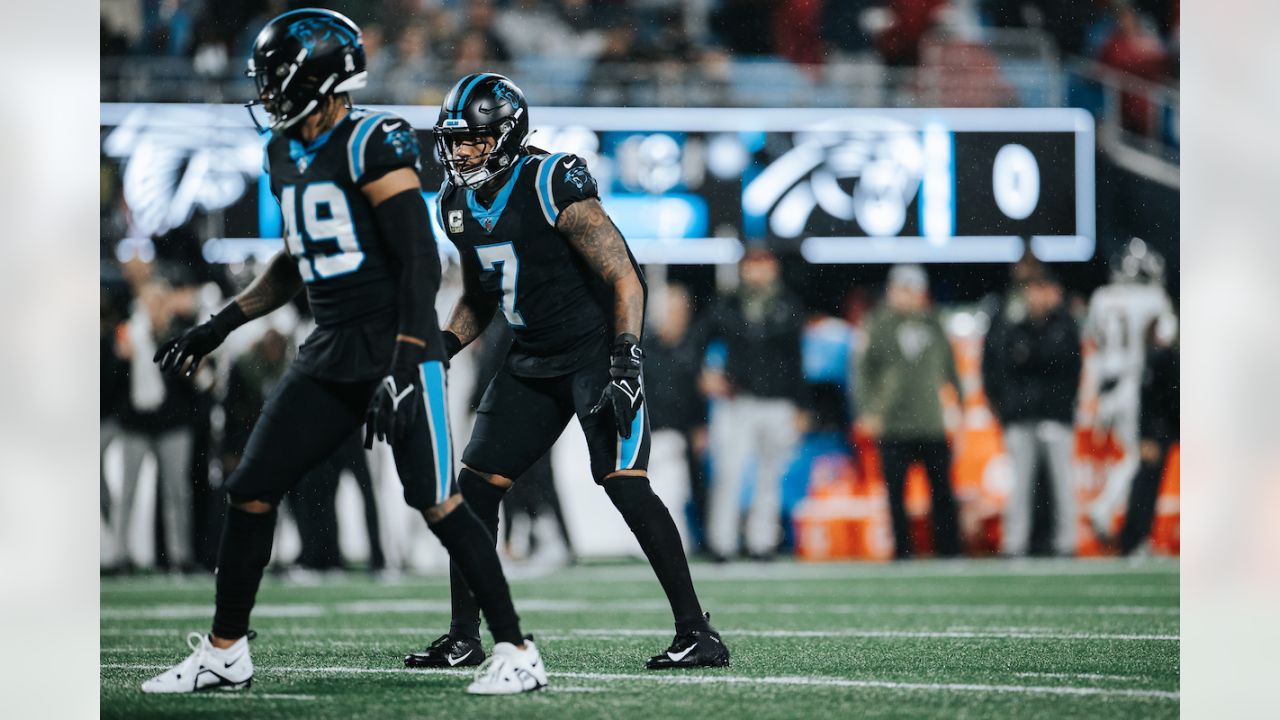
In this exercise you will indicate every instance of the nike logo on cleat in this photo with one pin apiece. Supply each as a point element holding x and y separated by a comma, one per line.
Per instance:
<point>233,662</point>
<point>388,127</point>
<point>677,657</point>
<point>455,660</point>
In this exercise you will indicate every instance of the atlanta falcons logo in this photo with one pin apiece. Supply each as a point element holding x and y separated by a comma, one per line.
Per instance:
<point>177,160</point>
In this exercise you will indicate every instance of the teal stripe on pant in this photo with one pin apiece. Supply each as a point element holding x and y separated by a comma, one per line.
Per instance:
<point>434,392</point>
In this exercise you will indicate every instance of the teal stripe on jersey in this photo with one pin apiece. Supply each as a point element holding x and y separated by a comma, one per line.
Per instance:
<point>545,197</point>
<point>355,146</point>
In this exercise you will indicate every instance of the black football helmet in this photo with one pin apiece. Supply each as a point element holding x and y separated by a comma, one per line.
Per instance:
<point>300,58</point>
<point>481,106</point>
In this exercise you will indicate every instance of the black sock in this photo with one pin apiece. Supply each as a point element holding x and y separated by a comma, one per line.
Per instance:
<point>243,553</point>
<point>471,548</point>
<point>651,523</point>
<point>484,498</point>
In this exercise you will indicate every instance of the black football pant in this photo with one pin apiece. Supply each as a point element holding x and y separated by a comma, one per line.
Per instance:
<point>1141,514</point>
<point>897,456</point>
<point>305,419</point>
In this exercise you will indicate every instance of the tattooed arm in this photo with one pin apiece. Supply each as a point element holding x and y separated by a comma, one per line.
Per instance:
<point>589,230</point>
<point>474,310</point>
<point>273,288</point>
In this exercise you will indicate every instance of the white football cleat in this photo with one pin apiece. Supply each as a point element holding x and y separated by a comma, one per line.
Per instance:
<point>206,668</point>
<point>510,670</point>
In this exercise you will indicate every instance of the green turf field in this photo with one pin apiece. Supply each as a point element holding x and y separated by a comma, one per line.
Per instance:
<point>985,639</point>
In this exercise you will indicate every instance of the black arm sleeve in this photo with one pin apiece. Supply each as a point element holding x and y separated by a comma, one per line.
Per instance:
<point>406,228</point>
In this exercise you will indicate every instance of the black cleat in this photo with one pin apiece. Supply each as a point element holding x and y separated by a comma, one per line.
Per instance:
<point>699,648</point>
<point>447,652</point>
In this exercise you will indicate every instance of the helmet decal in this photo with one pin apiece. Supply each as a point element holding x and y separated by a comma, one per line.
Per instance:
<point>482,129</point>
<point>312,30</point>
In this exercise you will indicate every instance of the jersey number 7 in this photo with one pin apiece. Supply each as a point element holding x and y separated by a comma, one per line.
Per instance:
<point>501,258</point>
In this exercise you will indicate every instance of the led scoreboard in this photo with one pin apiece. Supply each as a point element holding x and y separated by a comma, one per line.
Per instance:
<point>690,185</point>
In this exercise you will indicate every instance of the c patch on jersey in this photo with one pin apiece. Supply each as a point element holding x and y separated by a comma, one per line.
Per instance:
<point>455,221</point>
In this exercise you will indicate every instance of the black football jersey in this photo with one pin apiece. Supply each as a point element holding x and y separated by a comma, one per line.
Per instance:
<point>559,309</point>
<point>351,278</point>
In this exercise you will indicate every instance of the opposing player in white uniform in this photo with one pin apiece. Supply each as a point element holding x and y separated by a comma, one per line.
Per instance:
<point>1119,318</point>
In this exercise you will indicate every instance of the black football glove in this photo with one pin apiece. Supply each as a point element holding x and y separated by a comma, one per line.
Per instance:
<point>199,341</point>
<point>623,394</point>
<point>398,400</point>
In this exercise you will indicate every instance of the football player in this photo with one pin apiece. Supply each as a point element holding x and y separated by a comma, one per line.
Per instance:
<point>357,237</point>
<point>536,242</point>
<point>1116,325</point>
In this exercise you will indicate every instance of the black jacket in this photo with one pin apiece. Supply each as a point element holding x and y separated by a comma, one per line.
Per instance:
<point>671,383</point>
<point>763,357</point>
<point>1031,370</point>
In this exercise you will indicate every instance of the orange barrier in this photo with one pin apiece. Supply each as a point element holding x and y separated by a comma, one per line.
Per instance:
<point>846,514</point>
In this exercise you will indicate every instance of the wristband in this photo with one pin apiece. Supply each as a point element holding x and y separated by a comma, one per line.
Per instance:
<point>452,343</point>
<point>407,355</point>
<point>228,318</point>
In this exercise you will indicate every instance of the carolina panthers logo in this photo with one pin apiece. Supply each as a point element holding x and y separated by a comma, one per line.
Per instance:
<point>312,31</point>
<point>503,91</point>
<point>403,141</point>
<point>860,171</point>
<point>578,176</point>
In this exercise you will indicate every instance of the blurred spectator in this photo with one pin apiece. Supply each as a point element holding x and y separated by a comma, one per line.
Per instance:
<point>797,31</point>
<point>251,380</point>
<point>760,393</point>
<point>842,25</point>
<point>1135,49</point>
<point>121,25</point>
<point>677,410</point>
<point>1067,22</point>
<point>899,44</point>
<point>113,386</point>
<point>480,20</point>
<point>611,78</point>
<point>156,419</point>
<point>313,503</point>
<point>413,67</point>
<point>172,25</point>
<point>532,29</point>
<point>1031,373</point>
<point>1160,430</point>
<point>376,55</point>
<point>533,516</point>
<point>745,26</point>
<point>713,77</point>
<point>906,361</point>
<point>827,352</point>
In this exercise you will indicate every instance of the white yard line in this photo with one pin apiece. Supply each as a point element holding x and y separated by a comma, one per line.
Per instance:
<point>413,606</point>
<point>949,633</point>
<point>254,695</point>
<point>200,610</point>
<point>812,681</point>
<point>1080,676</point>
<point>836,571</point>
<point>930,634</point>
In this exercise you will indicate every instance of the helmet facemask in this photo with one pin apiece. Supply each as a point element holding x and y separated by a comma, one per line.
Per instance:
<point>473,171</point>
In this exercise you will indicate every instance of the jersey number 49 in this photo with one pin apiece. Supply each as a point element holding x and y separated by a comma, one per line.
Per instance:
<point>325,243</point>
